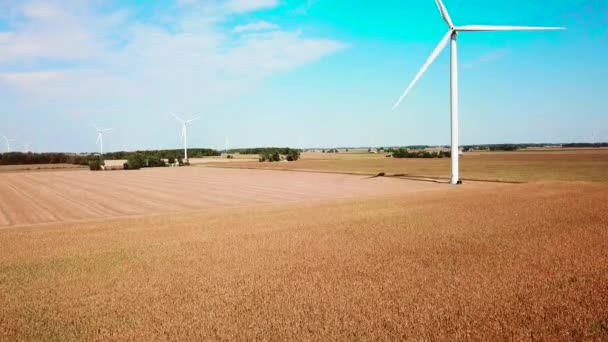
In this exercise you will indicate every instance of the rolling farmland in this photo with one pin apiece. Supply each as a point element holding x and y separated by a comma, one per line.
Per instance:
<point>500,262</point>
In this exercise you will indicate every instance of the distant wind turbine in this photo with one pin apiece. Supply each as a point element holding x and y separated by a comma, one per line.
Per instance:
<point>26,147</point>
<point>8,143</point>
<point>100,133</point>
<point>451,35</point>
<point>184,124</point>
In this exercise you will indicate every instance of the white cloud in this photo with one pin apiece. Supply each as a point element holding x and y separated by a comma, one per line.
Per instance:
<point>241,6</point>
<point>80,56</point>
<point>257,26</point>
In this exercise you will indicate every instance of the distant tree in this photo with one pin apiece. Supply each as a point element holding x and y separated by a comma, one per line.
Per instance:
<point>135,162</point>
<point>276,156</point>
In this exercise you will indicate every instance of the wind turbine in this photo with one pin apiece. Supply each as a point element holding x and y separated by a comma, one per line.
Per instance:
<point>26,147</point>
<point>451,35</point>
<point>100,133</point>
<point>8,143</point>
<point>184,133</point>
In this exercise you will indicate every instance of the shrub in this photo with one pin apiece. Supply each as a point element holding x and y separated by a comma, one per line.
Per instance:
<point>229,156</point>
<point>155,162</point>
<point>96,163</point>
<point>171,160</point>
<point>276,156</point>
<point>135,162</point>
<point>293,155</point>
<point>180,161</point>
<point>129,166</point>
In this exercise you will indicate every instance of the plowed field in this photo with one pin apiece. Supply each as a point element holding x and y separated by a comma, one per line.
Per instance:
<point>30,197</point>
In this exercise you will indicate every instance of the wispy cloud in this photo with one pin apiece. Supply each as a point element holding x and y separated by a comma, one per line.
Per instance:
<point>257,26</point>
<point>241,6</point>
<point>486,58</point>
<point>84,55</point>
<point>304,8</point>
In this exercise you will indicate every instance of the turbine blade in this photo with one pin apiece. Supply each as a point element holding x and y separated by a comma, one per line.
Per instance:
<point>436,52</point>
<point>444,13</point>
<point>189,121</point>
<point>489,28</point>
<point>177,118</point>
<point>98,139</point>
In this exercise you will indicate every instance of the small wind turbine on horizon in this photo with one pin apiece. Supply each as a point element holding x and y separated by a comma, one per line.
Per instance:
<point>26,147</point>
<point>184,124</point>
<point>100,133</point>
<point>7,141</point>
<point>451,35</point>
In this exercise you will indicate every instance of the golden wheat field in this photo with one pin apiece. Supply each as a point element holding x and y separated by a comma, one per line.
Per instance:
<point>206,253</point>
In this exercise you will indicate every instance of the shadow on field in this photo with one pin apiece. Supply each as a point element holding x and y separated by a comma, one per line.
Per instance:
<point>437,180</point>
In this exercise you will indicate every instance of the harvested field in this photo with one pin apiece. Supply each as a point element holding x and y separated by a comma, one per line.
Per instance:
<point>521,166</point>
<point>29,198</point>
<point>40,167</point>
<point>511,262</point>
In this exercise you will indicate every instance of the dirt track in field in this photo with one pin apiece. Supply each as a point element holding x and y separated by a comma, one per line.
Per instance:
<point>31,198</point>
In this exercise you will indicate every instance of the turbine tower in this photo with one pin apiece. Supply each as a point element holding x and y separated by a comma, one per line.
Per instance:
<point>100,133</point>
<point>184,124</point>
<point>8,143</point>
<point>451,36</point>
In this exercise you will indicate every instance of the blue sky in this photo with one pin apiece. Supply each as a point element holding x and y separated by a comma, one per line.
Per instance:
<point>301,73</point>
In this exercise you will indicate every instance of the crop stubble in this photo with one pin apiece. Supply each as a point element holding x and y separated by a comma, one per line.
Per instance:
<point>482,262</point>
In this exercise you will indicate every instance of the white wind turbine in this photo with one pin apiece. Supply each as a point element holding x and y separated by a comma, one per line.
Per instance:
<point>184,133</point>
<point>100,133</point>
<point>7,141</point>
<point>451,35</point>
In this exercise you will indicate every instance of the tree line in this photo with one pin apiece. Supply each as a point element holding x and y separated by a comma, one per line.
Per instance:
<point>405,153</point>
<point>163,154</point>
<point>21,158</point>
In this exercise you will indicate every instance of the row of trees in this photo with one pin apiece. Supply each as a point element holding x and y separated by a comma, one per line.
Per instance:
<point>405,153</point>
<point>263,150</point>
<point>137,161</point>
<point>164,154</point>
<point>586,145</point>
<point>21,158</point>
<point>275,155</point>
